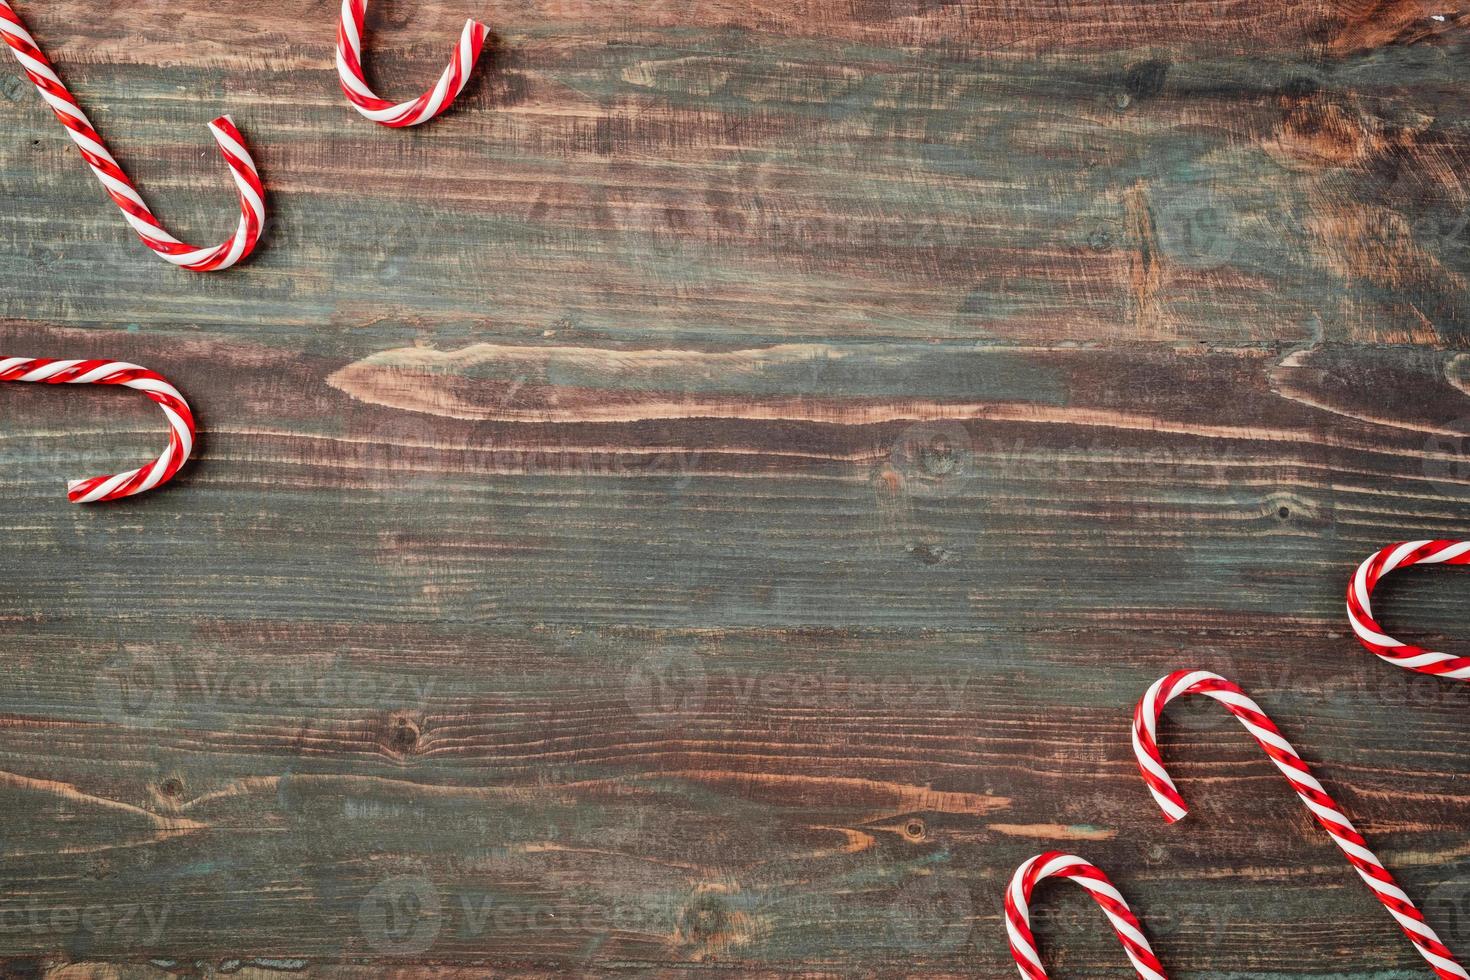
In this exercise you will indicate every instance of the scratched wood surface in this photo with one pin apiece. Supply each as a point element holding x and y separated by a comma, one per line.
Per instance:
<point>713,499</point>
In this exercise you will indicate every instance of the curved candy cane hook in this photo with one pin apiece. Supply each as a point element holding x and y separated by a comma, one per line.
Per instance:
<point>1055,864</point>
<point>121,189</point>
<point>421,109</point>
<point>1327,812</point>
<point>1360,605</point>
<point>180,419</point>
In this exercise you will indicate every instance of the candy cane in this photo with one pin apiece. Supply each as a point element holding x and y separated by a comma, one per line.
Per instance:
<point>1360,606</point>
<point>421,109</point>
<point>1328,814</point>
<point>1054,864</point>
<point>180,419</point>
<point>121,189</point>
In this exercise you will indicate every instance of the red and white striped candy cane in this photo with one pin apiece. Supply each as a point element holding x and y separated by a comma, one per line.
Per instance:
<point>1327,812</point>
<point>1360,605</point>
<point>122,191</point>
<point>421,109</point>
<point>1055,864</point>
<point>180,419</point>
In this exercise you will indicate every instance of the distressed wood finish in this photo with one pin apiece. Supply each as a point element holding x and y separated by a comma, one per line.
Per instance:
<point>713,498</point>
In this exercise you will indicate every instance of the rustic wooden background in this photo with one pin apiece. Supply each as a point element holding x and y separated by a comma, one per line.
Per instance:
<point>713,499</point>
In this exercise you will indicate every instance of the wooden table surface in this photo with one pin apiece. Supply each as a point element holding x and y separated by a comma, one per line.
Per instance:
<point>712,500</point>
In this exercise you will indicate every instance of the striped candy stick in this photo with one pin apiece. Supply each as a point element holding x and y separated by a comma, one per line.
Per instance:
<point>180,419</point>
<point>1360,605</point>
<point>1327,812</point>
<point>421,109</point>
<point>1055,864</point>
<point>117,184</point>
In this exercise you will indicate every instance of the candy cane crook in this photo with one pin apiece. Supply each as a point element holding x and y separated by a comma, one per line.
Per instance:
<point>180,419</point>
<point>1054,864</point>
<point>354,85</point>
<point>121,189</point>
<point>1328,813</point>
<point>1360,605</point>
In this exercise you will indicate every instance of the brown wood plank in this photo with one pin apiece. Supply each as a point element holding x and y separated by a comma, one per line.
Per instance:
<point>711,501</point>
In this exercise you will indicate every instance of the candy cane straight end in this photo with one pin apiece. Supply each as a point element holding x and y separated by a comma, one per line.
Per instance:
<point>416,111</point>
<point>114,179</point>
<point>180,417</point>
<point>1373,636</point>
<point>1054,864</point>
<point>1329,815</point>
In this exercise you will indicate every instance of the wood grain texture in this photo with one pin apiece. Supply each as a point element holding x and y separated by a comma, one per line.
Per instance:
<point>712,499</point>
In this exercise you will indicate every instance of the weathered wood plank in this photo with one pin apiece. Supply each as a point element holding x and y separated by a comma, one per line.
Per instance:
<point>712,501</point>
